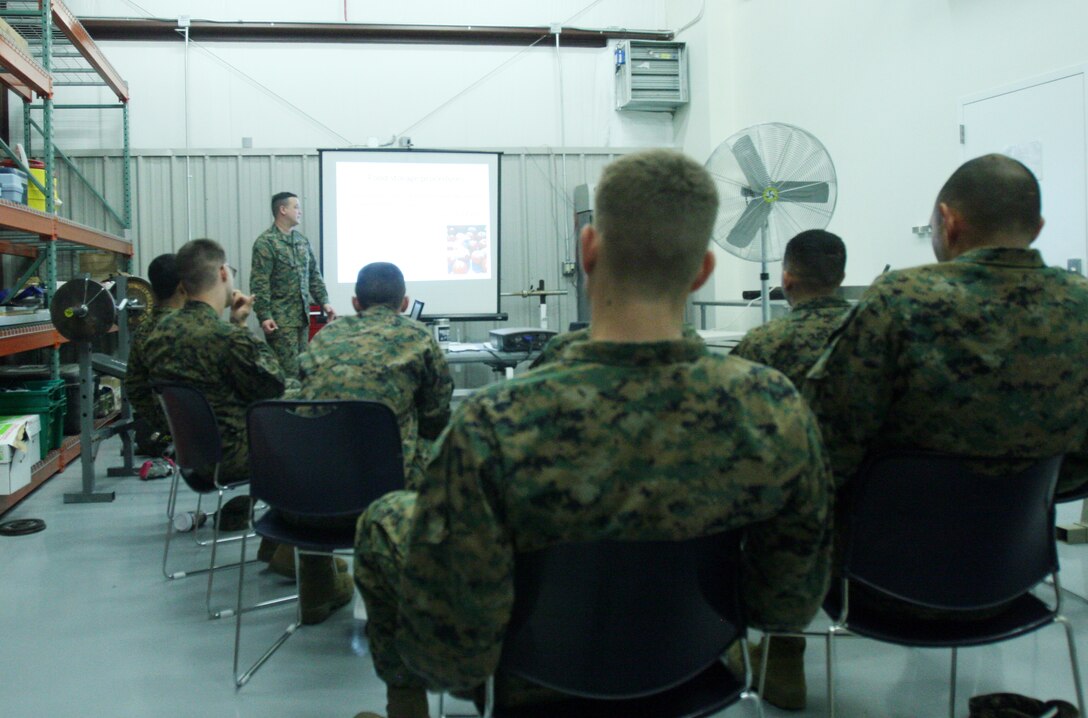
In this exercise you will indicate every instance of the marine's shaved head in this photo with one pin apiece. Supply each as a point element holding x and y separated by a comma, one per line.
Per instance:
<point>994,194</point>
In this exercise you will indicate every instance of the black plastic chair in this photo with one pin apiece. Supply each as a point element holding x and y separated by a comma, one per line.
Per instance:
<point>1078,493</point>
<point>924,532</point>
<point>198,452</point>
<point>1074,494</point>
<point>316,459</point>
<point>626,628</point>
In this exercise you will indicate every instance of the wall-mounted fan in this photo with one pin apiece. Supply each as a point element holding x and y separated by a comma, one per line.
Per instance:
<point>774,181</point>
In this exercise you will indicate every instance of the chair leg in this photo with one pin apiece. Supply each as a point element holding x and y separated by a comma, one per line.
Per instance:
<point>952,687</point>
<point>223,539</point>
<point>1073,660</point>
<point>748,694</point>
<point>1066,592</point>
<point>241,679</point>
<point>171,502</point>
<point>196,529</point>
<point>228,612</point>
<point>212,568</point>
<point>765,653</point>
<point>489,697</point>
<point>211,565</point>
<point>751,692</point>
<point>238,616</point>
<point>175,474</point>
<point>830,644</point>
<point>171,510</point>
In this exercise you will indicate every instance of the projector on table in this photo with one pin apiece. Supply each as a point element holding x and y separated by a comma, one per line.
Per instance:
<point>524,339</point>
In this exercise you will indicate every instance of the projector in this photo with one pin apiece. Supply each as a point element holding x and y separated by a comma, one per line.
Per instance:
<point>524,339</point>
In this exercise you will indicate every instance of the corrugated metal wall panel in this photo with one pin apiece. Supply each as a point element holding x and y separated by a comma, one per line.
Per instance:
<point>229,199</point>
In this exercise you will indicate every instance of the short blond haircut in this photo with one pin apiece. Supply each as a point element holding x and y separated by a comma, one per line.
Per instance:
<point>198,262</point>
<point>655,211</point>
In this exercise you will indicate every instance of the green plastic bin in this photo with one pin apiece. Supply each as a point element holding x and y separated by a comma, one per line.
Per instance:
<point>46,398</point>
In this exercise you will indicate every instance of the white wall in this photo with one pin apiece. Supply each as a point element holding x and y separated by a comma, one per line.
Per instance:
<point>696,124</point>
<point>879,83</point>
<point>331,95</point>
<point>634,14</point>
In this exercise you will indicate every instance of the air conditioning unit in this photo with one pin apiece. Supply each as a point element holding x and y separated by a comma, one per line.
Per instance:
<point>651,75</point>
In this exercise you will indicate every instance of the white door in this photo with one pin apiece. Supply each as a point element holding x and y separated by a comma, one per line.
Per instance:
<point>1042,124</point>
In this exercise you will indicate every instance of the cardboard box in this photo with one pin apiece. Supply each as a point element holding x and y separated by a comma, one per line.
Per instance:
<point>19,450</point>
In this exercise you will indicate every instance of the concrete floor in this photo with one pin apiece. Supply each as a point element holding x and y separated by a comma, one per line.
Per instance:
<point>90,627</point>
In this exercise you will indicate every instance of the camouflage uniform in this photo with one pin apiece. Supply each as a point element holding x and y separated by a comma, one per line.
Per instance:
<point>557,344</point>
<point>635,441</point>
<point>982,355</point>
<point>792,344</point>
<point>284,278</point>
<point>145,407</point>
<point>384,356</point>
<point>228,364</point>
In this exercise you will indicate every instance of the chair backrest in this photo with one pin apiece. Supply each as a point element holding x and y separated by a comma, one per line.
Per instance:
<point>194,431</point>
<point>323,458</point>
<point>623,619</point>
<point>1074,494</point>
<point>927,529</point>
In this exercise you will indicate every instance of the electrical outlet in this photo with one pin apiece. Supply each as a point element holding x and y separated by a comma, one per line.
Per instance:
<point>569,269</point>
<point>1075,265</point>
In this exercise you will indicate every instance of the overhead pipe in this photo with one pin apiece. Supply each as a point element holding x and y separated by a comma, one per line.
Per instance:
<point>114,29</point>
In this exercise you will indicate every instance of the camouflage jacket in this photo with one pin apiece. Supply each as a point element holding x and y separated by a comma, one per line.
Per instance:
<point>228,364</point>
<point>285,277</point>
<point>138,374</point>
<point>983,355</point>
<point>383,356</point>
<point>792,344</point>
<point>558,344</point>
<point>646,441</point>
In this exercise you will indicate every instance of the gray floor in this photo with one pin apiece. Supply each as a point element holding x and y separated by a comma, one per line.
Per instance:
<point>89,627</point>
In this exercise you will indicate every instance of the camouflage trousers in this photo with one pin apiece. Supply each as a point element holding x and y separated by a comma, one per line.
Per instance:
<point>287,343</point>
<point>234,466</point>
<point>381,534</point>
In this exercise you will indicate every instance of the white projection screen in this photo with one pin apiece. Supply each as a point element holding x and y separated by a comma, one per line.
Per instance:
<point>435,214</point>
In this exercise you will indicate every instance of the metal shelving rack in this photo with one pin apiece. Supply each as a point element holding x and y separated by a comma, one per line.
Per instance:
<point>61,54</point>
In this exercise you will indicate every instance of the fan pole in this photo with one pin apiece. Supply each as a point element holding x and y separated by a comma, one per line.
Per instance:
<point>764,276</point>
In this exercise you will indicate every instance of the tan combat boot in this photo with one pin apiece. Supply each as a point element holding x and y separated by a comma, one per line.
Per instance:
<point>283,560</point>
<point>785,685</point>
<point>322,589</point>
<point>403,703</point>
<point>267,550</point>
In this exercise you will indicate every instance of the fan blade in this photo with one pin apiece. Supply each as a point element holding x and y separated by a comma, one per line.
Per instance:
<point>815,192</point>
<point>744,231</point>
<point>751,164</point>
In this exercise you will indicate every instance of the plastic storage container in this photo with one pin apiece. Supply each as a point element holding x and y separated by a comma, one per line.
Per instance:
<point>34,196</point>
<point>13,185</point>
<point>12,377</point>
<point>44,398</point>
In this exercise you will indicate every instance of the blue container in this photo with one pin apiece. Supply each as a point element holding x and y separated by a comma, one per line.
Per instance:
<point>13,184</point>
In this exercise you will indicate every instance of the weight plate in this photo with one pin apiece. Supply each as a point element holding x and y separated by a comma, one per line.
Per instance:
<point>21,527</point>
<point>83,309</point>
<point>139,290</point>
